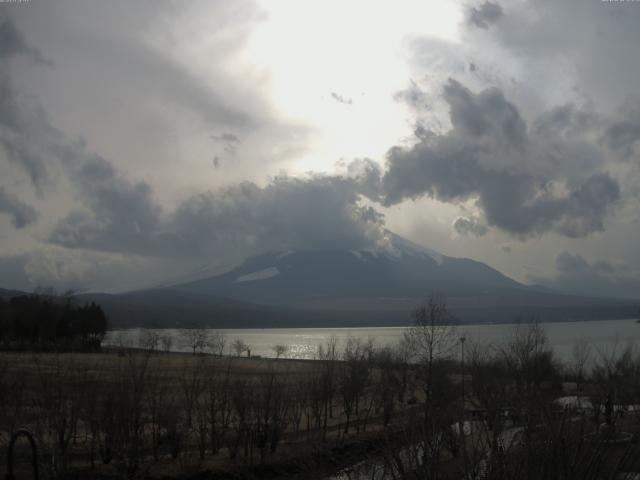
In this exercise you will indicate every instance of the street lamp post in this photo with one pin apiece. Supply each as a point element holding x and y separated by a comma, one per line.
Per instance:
<point>462,432</point>
<point>462,340</point>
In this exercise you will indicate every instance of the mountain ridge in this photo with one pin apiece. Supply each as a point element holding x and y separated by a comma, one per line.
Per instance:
<point>379,286</point>
<point>398,269</point>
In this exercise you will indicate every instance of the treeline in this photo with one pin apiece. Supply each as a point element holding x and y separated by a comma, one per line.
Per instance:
<point>434,406</point>
<point>46,321</point>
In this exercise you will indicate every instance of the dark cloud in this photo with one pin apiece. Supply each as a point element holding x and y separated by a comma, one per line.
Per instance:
<point>561,171</point>
<point>341,99</point>
<point>119,215</point>
<point>365,175</point>
<point>13,43</point>
<point>470,226</point>
<point>413,96</point>
<point>583,211</point>
<point>484,15</point>
<point>574,264</point>
<point>140,85</point>
<point>567,263</point>
<point>13,273</point>
<point>23,128</point>
<point>115,211</point>
<point>79,270</point>
<point>321,212</point>
<point>622,134</point>
<point>576,274</point>
<point>506,248</point>
<point>487,114</point>
<point>564,48</point>
<point>116,215</point>
<point>230,143</point>
<point>524,183</point>
<point>21,213</point>
<point>566,121</point>
<point>228,138</point>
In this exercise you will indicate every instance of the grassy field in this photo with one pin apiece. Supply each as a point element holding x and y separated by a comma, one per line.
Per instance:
<point>69,401</point>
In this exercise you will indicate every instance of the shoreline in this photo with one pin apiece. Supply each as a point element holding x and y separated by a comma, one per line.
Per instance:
<point>373,327</point>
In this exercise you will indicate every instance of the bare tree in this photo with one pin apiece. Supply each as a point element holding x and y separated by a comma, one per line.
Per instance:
<point>138,370</point>
<point>191,385</point>
<point>402,355</point>
<point>315,387</point>
<point>299,403</point>
<point>270,408</point>
<point>149,340</point>
<point>58,399</point>
<point>239,346</point>
<point>195,339</point>
<point>12,400</point>
<point>242,403</point>
<point>219,405</point>
<point>386,384</point>
<point>217,342</point>
<point>280,349</point>
<point>122,341</point>
<point>433,334</point>
<point>167,342</point>
<point>579,358</point>
<point>194,406</point>
<point>354,377</point>
<point>529,356</point>
<point>432,338</point>
<point>158,402</point>
<point>328,354</point>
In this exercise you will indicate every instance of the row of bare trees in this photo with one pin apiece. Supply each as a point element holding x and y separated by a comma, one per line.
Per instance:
<point>510,424</point>
<point>492,415</point>
<point>135,409</point>
<point>197,340</point>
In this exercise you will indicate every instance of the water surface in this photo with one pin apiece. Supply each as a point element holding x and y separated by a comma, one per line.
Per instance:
<point>604,336</point>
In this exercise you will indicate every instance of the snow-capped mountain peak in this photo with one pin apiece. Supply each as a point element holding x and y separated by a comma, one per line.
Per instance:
<point>395,268</point>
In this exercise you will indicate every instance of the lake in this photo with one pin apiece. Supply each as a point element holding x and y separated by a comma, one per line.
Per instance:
<point>303,343</point>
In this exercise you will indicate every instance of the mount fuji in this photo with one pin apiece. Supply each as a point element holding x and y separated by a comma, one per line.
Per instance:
<point>345,288</point>
<point>396,271</point>
<point>383,286</point>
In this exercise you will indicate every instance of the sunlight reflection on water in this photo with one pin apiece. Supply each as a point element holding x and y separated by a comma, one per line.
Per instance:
<point>303,343</point>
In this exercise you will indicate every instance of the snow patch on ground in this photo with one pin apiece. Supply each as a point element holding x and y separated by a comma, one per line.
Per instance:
<point>259,275</point>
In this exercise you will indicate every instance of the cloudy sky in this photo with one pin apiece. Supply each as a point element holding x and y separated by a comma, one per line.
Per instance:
<point>143,141</point>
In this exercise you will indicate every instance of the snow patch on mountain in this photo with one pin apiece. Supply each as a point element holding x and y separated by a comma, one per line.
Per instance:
<point>357,254</point>
<point>393,252</point>
<point>259,275</point>
<point>407,246</point>
<point>395,247</point>
<point>284,254</point>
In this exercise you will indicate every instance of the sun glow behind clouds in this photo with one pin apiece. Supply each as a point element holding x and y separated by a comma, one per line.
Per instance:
<point>354,49</point>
